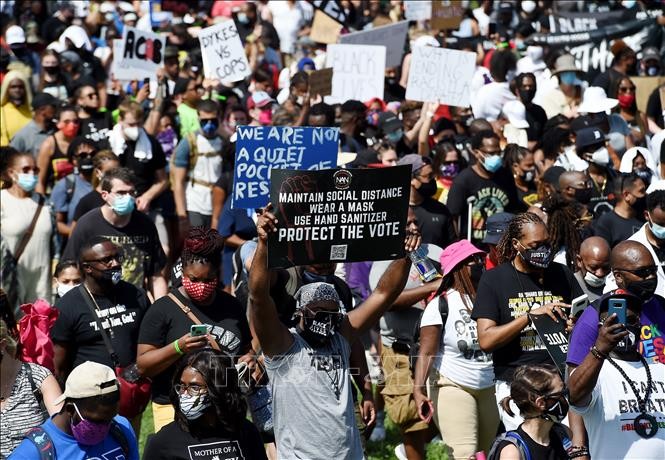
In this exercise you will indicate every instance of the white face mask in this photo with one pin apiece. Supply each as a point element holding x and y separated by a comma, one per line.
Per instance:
<point>601,156</point>
<point>192,407</point>
<point>65,288</point>
<point>131,132</point>
<point>534,52</point>
<point>593,281</point>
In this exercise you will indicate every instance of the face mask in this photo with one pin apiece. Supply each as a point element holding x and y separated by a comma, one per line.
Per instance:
<point>65,288</point>
<point>51,70</point>
<point>657,230</point>
<point>558,411</point>
<point>629,343</point>
<point>123,204</point>
<point>192,407</point>
<point>510,75</point>
<point>449,170</point>
<point>644,289</point>
<point>653,70</point>
<point>89,433</point>
<point>528,6</point>
<point>242,18</point>
<point>594,281</point>
<point>601,156</point>
<point>210,128</point>
<point>27,182</point>
<point>528,176</point>
<point>265,118</point>
<point>200,291</point>
<point>568,78</point>
<point>319,329</point>
<point>626,101</point>
<point>639,206</point>
<point>519,44</point>
<point>309,277</point>
<point>70,129</point>
<point>644,174</point>
<point>391,81</point>
<point>583,195</point>
<point>534,52</point>
<point>527,95</point>
<point>476,271</point>
<point>628,3</point>
<point>85,165</point>
<point>395,136</point>
<point>539,257</point>
<point>131,132</point>
<point>114,275</point>
<point>492,163</point>
<point>427,189</point>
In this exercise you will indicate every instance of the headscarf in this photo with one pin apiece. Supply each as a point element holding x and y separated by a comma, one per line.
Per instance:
<point>316,292</point>
<point>628,157</point>
<point>4,89</point>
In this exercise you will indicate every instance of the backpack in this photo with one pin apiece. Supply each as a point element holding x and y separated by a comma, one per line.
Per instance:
<point>193,158</point>
<point>414,348</point>
<point>515,439</point>
<point>44,444</point>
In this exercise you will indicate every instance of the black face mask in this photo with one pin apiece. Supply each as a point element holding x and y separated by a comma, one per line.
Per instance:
<point>85,165</point>
<point>644,289</point>
<point>539,257</point>
<point>558,411</point>
<point>640,206</point>
<point>427,189</point>
<point>51,70</point>
<point>629,343</point>
<point>527,95</point>
<point>476,271</point>
<point>319,329</point>
<point>583,195</point>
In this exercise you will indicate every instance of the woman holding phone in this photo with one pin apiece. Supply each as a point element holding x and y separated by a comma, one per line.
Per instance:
<point>214,319</point>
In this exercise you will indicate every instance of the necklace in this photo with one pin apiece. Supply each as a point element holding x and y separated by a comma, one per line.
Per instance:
<point>646,425</point>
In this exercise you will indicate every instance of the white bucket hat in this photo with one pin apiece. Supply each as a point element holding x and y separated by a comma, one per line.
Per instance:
<point>595,100</point>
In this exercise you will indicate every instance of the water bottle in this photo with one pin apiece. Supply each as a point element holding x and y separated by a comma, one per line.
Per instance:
<point>424,265</point>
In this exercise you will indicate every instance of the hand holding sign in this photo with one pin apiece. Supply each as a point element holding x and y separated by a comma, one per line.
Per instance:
<point>266,223</point>
<point>223,54</point>
<point>553,310</point>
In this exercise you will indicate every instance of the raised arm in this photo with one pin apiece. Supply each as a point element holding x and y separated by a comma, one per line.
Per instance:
<point>273,336</point>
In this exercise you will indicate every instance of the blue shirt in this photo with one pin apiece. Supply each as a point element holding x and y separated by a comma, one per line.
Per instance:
<point>238,222</point>
<point>66,446</point>
<point>63,203</point>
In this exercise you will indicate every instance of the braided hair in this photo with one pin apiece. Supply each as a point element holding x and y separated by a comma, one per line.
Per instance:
<point>504,250</point>
<point>203,245</point>
<point>561,228</point>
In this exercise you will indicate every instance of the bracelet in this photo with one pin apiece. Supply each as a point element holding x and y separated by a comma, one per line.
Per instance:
<point>597,353</point>
<point>578,451</point>
<point>177,347</point>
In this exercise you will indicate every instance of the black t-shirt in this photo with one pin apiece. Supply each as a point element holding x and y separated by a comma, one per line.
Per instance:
<point>655,108</point>
<point>602,198</point>
<point>166,322</point>
<point>97,129</point>
<point>138,240</point>
<point>497,194</point>
<point>615,228</point>
<point>86,204</point>
<point>173,443</point>
<point>121,313</point>
<point>554,451</point>
<point>435,223</point>
<point>536,117</point>
<point>144,170</point>
<point>505,293</point>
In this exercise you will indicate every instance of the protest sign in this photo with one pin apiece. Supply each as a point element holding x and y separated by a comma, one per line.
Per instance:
<point>138,55</point>
<point>332,8</point>
<point>324,29</point>
<point>440,75</point>
<point>223,54</point>
<point>446,14</point>
<point>554,338</point>
<point>342,215</point>
<point>320,82</point>
<point>261,148</point>
<point>644,87</point>
<point>417,10</point>
<point>358,72</point>
<point>392,37</point>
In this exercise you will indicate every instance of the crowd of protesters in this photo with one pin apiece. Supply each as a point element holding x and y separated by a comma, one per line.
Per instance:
<point>130,283</point>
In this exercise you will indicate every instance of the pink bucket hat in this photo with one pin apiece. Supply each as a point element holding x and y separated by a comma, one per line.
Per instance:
<point>456,253</point>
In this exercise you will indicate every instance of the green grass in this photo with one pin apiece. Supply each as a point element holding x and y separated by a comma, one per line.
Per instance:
<point>375,450</point>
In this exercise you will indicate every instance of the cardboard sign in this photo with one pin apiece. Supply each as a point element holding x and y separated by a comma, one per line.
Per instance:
<point>332,9</point>
<point>446,14</point>
<point>358,72</point>
<point>644,86</point>
<point>262,148</point>
<point>391,36</point>
<point>417,10</point>
<point>554,338</point>
<point>223,55</point>
<point>138,55</point>
<point>441,75</point>
<point>338,215</point>
<point>320,82</point>
<point>324,29</point>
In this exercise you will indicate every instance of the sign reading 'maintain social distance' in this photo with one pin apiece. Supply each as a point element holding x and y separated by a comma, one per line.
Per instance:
<point>338,215</point>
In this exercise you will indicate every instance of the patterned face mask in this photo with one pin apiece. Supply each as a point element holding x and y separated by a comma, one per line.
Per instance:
<point>199,291</point>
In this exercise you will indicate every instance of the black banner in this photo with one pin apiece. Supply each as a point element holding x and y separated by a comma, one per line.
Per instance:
<point>554,338</point>
<point>338,215</point>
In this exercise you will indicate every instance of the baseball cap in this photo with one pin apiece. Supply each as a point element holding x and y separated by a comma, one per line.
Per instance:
<point>388,122</point>
<point>516,114</point>
<point>259,99</point>
<point>414,160</point>
<point>43,99</point>
<point>633,302</point>
<point>306,62</point>
<point>649,53</point>
<point>14,35</point>
<point>495,226</point>
<point>588,136</point>
<point>88,380</point>
<point>552,174</point>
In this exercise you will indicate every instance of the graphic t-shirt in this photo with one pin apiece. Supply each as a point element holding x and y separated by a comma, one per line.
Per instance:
<point>615,228</point>
<point>172,443</point>
<point>435,223</point>
<point>121,313</point>
<point>166,322</point>
<point>609,418</point>
<point>505,293</point>
<point>97,129</point>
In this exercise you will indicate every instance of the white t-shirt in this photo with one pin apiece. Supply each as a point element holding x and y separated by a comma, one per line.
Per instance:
<point>460,357</point>
<point>613,408</point>
<point>490,99</point>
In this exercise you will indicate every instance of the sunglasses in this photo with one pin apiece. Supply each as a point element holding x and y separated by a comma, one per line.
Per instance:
<point>626,89</point>
<point>108,259</point>
<point>82,155</point>
<point>644,272</point>
<point>335,317</point>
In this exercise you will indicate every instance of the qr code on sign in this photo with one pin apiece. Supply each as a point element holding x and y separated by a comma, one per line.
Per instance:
<point>338,251</point>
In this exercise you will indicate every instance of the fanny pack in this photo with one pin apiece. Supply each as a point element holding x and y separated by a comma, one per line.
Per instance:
<point>135,390</point>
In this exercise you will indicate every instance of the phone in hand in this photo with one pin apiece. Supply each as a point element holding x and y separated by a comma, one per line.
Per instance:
<point>579,304</point>
<point>617,306</point>
<point>491,29</point>
<point>197,330</point>
<point>146,81</point>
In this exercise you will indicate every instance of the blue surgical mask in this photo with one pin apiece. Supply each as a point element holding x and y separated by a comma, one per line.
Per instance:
<point>123,204</point>
<point>657,230</point>
<point>27,182</point>
<point>209,128</point>
<point>568,78</point>
<point>492,163</point>
<point>395,136</point>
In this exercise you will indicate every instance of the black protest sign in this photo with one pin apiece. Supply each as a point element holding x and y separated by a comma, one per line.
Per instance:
<point>338,215</point>
<point>320,82</point>
<point>553,335</point>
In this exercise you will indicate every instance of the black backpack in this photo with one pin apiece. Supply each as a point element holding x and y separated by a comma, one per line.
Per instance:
<point>414,348</point>
<point>514,438</point>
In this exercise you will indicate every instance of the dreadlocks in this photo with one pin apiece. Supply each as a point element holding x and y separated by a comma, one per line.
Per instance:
<point>203,245</point>
<point>504,250</point>
<point>561,227</point>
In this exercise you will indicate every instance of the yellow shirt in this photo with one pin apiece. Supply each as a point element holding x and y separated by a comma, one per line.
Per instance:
<point>12,119</point>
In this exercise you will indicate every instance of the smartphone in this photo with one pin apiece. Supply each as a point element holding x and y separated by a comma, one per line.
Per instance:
<point>617,306</point>
<point>146,81</point>
<point>491,29</point>
<point>579,304</point>
<point>198,330</point>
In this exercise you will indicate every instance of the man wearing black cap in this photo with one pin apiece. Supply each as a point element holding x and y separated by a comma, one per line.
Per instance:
<point>30,137</point>
<point>352,126</point>
<point>494,230</point>
<point>434,219</point>
<point>591,147</point>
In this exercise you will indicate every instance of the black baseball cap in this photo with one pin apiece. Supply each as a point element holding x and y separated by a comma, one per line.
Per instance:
<point>40,100</point>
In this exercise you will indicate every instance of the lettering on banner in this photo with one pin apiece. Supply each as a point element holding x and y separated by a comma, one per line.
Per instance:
<point>223,53</point>
<point>358,72</point>
<point>137,55</point>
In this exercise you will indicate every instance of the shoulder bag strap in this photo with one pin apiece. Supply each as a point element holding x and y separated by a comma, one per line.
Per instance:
<point>28,233</point>
<point>33,385</point>
<point>188,311</point>
<point>105,337</point>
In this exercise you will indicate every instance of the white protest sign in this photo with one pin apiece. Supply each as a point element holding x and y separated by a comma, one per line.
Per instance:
<point>358,72</point>
<point>440,75</point>
<point>138,55</point>
<point>223,54</point>
<point>391,36</point>
<point>417,10</point>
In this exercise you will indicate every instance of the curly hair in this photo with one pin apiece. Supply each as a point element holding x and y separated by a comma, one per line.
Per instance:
<point>203,245</point>
<point>504,250</point>
<point>561,227</point>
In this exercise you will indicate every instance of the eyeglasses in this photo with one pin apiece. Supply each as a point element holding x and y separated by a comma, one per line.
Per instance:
<point>644,272</point>
<point>626,89</point>
<point>30,169</point>
<point>192,390</point>
<point>108,259</point>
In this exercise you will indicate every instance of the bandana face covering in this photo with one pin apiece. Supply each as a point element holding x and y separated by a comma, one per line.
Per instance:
<point>193,407</point>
